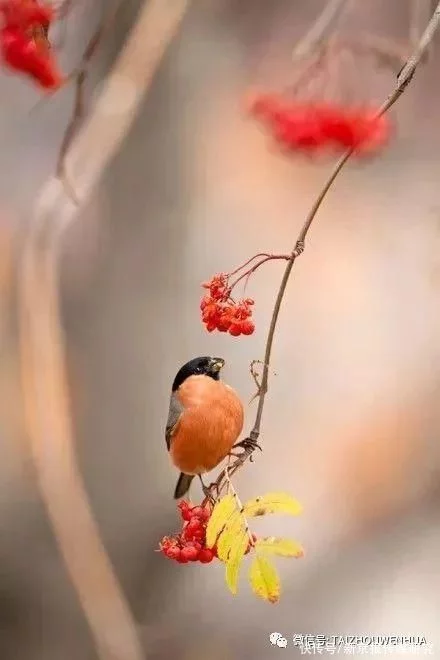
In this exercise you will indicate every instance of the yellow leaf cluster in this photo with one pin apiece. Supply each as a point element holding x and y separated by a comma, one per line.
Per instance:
<point>227,529</point>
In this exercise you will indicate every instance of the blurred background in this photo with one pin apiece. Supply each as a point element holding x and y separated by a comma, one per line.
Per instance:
<point>352,417</point>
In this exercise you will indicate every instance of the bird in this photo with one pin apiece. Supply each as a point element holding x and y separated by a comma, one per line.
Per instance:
<point>205,419</point>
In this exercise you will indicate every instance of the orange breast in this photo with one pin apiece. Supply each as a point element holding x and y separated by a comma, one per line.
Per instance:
<point>209,427</point>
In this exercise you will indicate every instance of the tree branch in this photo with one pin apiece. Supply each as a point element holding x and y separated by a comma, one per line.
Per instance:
<point>48,416</point>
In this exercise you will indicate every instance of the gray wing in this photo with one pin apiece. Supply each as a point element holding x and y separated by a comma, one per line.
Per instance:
<point>176,409</point>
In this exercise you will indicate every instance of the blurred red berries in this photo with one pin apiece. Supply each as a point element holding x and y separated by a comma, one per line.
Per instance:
<point>220,312</point>
<point>25,14</point>
<point>24,45</point>
<point>313,126</point>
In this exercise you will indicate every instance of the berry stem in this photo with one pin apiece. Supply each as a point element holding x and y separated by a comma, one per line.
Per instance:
<point>249,261</point>
<point>320,29</point>
<point>248,273</point>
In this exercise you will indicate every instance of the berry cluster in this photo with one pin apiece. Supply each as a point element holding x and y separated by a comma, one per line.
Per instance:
<point>220,312</point>
<point>24,44</point>
<point>313,126</point>
<point>190,543</point>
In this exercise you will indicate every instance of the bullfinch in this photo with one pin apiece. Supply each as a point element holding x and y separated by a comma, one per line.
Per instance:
<point>204,421</point>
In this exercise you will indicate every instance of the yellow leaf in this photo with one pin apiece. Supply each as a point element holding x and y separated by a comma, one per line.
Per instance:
<point>281,547</point>
<point>264,579</point>
<point>234,561</point>
<point>272,503</point>
<point>221,513</point>
<point>228,537</point>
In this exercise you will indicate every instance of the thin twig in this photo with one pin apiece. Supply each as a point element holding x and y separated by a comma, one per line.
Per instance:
<point>403,80</point>
<point>320,29</point>
<point>46,398</point>
<point>79,76</point>
<point>249,261</point>
<point>248,273</point>
<point>387,52</point>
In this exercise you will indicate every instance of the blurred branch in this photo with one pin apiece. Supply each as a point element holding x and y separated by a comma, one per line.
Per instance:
<point>46,398</point>
<point>320,29</point>
<point>387,52</point>
<point>79,77</point>
<point>405,76</point>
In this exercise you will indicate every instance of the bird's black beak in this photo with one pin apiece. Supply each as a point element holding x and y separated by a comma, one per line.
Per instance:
<point>216,364</point>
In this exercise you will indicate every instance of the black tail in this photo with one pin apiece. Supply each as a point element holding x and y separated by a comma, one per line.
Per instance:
<point>183,484</point>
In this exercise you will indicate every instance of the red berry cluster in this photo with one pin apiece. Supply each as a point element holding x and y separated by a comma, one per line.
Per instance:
<point>313,126</point>
<point>220,312</point>
<point>190,543</point>
<point>24,45</point>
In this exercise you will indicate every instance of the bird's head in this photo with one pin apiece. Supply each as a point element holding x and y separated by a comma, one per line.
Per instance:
<point>201,366</point>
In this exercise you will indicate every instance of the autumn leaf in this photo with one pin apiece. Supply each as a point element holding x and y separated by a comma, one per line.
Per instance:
<point>232,531</point>
<point>264,580</point>
<point>278,546</point>
<point>272,503</point>
<point>235,559</point>
<point>220,515</point>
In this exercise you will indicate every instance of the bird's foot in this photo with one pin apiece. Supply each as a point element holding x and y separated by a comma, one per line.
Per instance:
<point>248,444</point>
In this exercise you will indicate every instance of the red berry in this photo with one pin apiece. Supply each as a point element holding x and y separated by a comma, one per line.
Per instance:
<point>185,510</point>
<point>199,534</point>
<point>189,552</point>
<point>235,330</point>
<point>193,530</point>
<point>206,555</point>
<point>198,512</point>
<point>247,327</point>
<point>173,552</point>
<point>194,523</point>
<point>187,535</point>
<point>223,323</point>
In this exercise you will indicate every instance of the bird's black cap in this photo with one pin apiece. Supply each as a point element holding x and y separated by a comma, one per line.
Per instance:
<point>201,366</point>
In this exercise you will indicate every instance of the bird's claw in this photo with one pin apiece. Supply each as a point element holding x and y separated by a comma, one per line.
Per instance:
<point>248,444</point>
